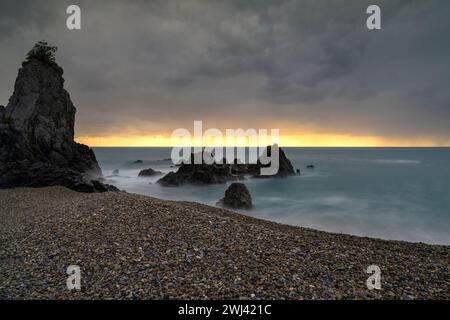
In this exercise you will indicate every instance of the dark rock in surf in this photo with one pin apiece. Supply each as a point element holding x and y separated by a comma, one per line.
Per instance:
<point>237,196</point>
<point>285,167</point>
<point>197,174</point>
<point>149,173</point>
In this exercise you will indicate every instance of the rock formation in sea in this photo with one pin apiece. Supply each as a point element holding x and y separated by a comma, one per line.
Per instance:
<point>237,196</point>
<point>149,173</point>
<point>197,174</point>
<point>37,146</point>
<point>201,174</point>
<point>285,167</point>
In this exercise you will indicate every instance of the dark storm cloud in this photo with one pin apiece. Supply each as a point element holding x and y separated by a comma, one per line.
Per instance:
<point>157,64</point>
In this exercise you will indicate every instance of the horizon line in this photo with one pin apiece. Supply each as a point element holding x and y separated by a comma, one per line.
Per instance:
<point>150,146</point>
<point>287,140</point>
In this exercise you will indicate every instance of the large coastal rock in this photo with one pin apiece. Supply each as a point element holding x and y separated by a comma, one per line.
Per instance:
<point>37,146</point>
<point>237,196</point>
<point>201,174</point>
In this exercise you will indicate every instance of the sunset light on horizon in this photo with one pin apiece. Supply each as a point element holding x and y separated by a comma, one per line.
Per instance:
<point>304,140</point>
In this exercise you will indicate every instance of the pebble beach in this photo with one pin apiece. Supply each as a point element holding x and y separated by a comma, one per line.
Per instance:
<point>130,246</point>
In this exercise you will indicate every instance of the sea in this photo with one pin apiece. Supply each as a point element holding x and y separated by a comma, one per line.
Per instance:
<point>388,193</point>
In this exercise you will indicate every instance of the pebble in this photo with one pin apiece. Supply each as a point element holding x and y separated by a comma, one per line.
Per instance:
<point>137,247</point>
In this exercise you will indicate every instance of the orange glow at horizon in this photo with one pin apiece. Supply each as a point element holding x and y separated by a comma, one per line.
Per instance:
<point>295,140</point>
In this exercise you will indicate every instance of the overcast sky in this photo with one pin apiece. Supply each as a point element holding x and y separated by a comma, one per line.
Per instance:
<point>148,67</point>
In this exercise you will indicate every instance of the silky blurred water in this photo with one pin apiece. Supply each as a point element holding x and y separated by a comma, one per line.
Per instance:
<point>390,193</point>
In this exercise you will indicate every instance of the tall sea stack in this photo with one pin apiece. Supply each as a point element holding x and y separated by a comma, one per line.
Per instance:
<point>37,146</point>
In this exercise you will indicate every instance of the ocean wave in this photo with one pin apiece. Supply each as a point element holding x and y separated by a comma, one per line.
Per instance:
<point>398,161</point>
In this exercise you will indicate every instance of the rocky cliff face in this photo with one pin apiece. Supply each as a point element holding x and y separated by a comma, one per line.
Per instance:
<point>2,113</point>
<point>37,146</point>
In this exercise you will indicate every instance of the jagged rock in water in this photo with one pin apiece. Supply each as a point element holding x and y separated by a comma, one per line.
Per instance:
<point>148,173</point>
<point>237,196</point>
<point>197,174</point>
<point>201,174</point>
<point>37,146</point>
<point>285,167</point>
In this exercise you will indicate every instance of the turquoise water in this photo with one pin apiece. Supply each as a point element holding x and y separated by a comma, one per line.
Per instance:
<point>389,193</point>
